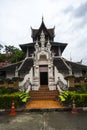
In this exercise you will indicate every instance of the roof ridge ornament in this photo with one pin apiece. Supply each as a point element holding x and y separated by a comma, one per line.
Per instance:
<point>48,43</point>
<point>42,18</point>
<point>42,39</point>
<point>37,46</point>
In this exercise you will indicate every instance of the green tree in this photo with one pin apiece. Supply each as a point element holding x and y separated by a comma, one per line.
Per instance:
<point>11,49</point>
<point>18,56</point>
<point>15,54</point>
<point>3,57</point>
<point>1,47</point>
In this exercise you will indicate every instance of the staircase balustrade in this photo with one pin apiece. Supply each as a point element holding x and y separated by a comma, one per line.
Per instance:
<point>26,86</point>
<point>61,86</point>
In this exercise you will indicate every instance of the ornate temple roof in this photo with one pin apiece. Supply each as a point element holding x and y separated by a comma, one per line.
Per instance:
<point>58,62</point>
<point>11,67</point>
<point>24,65</point>
<point>58,44</point>
<point>62,63</point>
<point>49,35</point>
<point>53,44</point>
<point>76,66</point>
<point>47,31</point>
<point>27,45</point>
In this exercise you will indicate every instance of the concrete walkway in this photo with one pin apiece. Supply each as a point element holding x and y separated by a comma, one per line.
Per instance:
<point>44,121</point>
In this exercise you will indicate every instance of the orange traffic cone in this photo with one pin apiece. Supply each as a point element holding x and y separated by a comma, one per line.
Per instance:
<point>13,112</point>
<point>74,109</point>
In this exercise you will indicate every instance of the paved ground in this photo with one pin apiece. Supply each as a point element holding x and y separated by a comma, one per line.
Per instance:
<point>44,121</point>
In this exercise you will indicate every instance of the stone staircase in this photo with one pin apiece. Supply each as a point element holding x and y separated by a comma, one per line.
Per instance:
<point>44,94</point>
<point>43,99</point>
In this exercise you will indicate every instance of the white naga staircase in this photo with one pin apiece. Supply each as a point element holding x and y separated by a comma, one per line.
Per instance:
<point>25,85</point>
<point>61,83</point>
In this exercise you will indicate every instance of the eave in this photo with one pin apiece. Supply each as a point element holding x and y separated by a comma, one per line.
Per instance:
<point>76,66</point>
<point>58,44</point>
<point>27,45</point>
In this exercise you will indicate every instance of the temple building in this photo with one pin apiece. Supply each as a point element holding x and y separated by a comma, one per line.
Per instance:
<point>44,64</point>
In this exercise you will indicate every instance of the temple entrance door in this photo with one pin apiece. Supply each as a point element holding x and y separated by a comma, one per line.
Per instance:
<point>43,75</point>
<point>44,78</point>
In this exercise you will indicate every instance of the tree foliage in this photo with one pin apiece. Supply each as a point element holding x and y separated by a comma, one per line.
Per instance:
<point>12,54</point>
<point>11,49</point>
<point>18,56</point>
<point>24,96</point>
<point>82,89</point>
<point>3,57</point>
<point>1,47</point>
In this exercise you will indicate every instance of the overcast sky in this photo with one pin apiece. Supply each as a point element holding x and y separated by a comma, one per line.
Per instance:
<point>68,16</point>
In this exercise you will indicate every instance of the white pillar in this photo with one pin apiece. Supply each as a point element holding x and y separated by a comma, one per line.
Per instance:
<point>16,72</point>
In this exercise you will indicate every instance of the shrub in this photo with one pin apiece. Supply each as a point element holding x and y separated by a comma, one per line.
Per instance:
<point>82,89</point>
<point>7,90</point>
<point>6,100</point>
<point>68,97</point>
<point>9,94</point>
<point>24,96</point>
<point>65,98</point>
<point>80,100</point>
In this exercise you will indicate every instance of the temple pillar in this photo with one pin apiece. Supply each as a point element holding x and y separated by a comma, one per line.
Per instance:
<point>16,72</point>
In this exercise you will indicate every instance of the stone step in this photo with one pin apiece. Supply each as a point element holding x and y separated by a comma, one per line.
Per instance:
<point>44,98</point>
<point>44,87</point>
<point>41,91</point>
<point>41,104</point>
<point>41,95</point>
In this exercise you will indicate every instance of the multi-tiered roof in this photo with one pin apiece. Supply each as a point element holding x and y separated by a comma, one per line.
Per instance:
<point>49,35</point>
<point>57,49</point>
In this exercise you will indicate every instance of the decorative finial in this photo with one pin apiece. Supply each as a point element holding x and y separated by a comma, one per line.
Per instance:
<point>42,39</point>
<point>42,18</point>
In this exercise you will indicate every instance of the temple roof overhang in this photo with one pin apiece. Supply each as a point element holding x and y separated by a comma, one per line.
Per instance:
<point>21,66</point>
<point>27,45</point>
<point>26,65</point>
<point>11,67</point>
<point>63,65</point>
<point>76,66</point>
<point>53,44</point>
<point>62,46</point>
<point>59,62</point>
